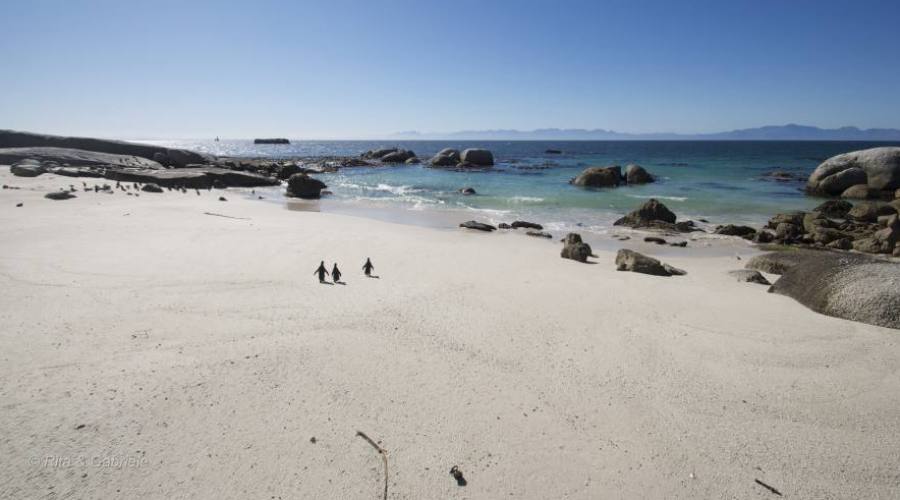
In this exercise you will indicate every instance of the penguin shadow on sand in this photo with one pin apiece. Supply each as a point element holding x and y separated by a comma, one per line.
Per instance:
<point>368,267</point>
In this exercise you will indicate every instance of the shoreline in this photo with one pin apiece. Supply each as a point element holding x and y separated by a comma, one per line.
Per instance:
<point>201,350</point>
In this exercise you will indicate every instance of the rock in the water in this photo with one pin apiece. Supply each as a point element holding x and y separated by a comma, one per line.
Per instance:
<point>399,156</point>
<point>749,276</point>
<point>845,285</point>
<point>477,156</point>
<point>599,177</point>
<point>636,174</point>
<point>59,195</point>
<point>377,154</point>
<point>168,156</point>
<point>480,226</point>
<point>27,168</point>
<point>575,249</point>
<point>446,157</point>
<point>151,188</point>
<point>528,225</point>
<point>304,186</point>
<point>539,234</point>
<point>629,260</point>
<point>857,192</point>
<point>733,230</point>
<point>413,161</point>
<point>879,168</point>
<point>834,208</point>
<point>650,212</point>
<point>468,191</point>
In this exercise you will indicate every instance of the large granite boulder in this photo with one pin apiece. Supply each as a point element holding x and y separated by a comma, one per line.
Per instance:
<point>859,192</point>
<point>869,212</point>
<point>575,249</point>
<point>779,262</point>
<point>845,285</point>
<point>879,168</point>
<point>649,213</point>
<point>477,156</point>
<point>167,156</point>
<point>629,260</point>
<point>446,157</point>
<point>304,186</point>
<point>599,177</point>
<point>377,154</point>
<point>636,174</point>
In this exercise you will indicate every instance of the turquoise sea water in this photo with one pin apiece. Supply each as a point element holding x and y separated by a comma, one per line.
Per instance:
<point>719,181</point>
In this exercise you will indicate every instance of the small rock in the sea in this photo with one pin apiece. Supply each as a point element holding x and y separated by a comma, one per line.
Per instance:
<point>222,198</point>
<point>539,234</point>
<point>59,195</point>
<point>655,239</point>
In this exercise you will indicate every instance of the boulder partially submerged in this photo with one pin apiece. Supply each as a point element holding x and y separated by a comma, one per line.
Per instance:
<point>477,156</point>
<point>844,285</point>
<point>599,177</point>
<point>446,157</point>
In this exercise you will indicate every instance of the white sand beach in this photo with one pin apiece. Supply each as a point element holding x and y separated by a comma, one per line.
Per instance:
<point>150,350</point>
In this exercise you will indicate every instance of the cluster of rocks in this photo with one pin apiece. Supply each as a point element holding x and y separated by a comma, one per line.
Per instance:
<point>612,176</point>
<point>867,174</point>
<point>391,155</point>
<point>469,158</point>
<point>869,227</point>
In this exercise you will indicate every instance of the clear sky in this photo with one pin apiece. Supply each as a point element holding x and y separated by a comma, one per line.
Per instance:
<point>350,69</point>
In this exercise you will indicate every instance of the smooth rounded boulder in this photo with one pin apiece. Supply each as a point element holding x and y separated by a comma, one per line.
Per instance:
<point>652,211</point>
<point>851,286</point>
<point>446,157</point>
<point>878,168</point>
<point>477,156</point>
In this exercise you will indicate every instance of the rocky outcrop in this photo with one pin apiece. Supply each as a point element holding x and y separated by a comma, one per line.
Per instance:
<point>749,276</point>
<point>377,154</point>
<point>629,260</point>
<point>75,157</point>
<point>304,186</point>
<point>834,208</point>
<point>636,174</point>
<point>649,214</point>
<point>575,249</point>
<point>844,285</point>
<point>599,177</point>
<point>446,157</point>
<point>192,178</point>
<point>869,212</point>
<point>882,241</point>
<point>478,226</point>
<point>878,168</point>
<point>158,154</point>
<point>477,156</point>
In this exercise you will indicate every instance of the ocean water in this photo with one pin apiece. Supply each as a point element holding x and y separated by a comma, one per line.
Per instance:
<point>722,181</point>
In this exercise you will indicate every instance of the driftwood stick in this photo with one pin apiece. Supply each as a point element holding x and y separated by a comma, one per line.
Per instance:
<point>766,486</point>
<point>383,453</point>
<point>226,216</point>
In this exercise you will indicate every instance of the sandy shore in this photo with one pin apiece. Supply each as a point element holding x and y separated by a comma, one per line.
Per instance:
<point>151,350</point>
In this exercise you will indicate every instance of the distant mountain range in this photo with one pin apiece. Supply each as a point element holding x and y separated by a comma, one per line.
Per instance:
<point>790,132</point>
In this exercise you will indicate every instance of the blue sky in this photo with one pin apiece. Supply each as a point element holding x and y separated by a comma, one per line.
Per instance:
<point>348,69</point>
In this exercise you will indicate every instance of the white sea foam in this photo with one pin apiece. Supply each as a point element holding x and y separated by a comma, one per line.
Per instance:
<point>659,197</point>
<point>526,199</point>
